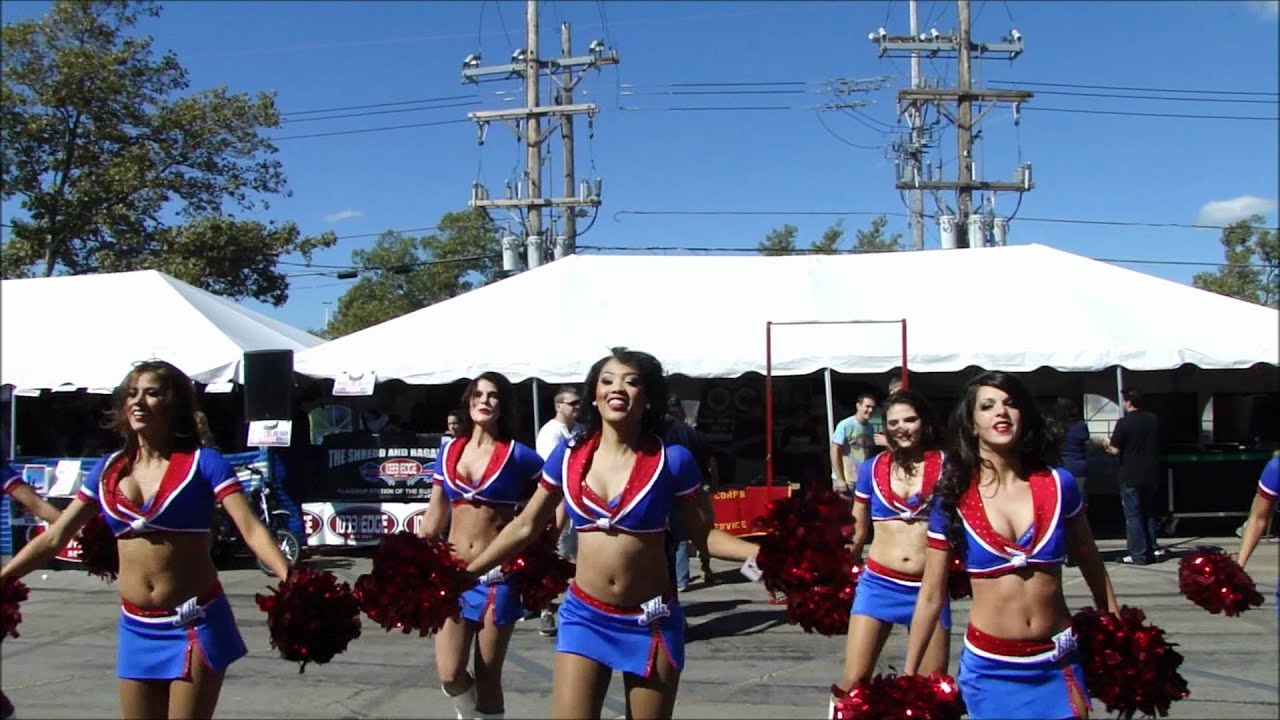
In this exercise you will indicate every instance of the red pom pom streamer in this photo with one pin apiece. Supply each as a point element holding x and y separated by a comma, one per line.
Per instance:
<point>539,573</point>
<point>98,549</point>
<point>415,584</point>
<point>12,593</point>
<point>803,556</point>
<point>311,616</point>
<point>893,697</point>
<point>1215,582</point>
<point>1128,664</point>
<point>958,585</point>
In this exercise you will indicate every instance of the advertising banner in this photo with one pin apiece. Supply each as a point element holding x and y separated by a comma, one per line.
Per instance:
<point>358,523</point>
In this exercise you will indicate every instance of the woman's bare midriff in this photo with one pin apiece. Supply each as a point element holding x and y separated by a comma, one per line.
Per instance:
<point>622,569</point>
<point>1022,605</point>
<point>899,546</point>
<point>473,527</point>
<point>160,571</point>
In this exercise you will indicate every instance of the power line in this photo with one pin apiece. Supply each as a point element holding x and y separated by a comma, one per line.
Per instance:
<point>1190,116</point>
<point>369,130</point>
<point>382,112</point>
<point>447,98</point>
<point>1139,89</point>
<point>1158,97</point>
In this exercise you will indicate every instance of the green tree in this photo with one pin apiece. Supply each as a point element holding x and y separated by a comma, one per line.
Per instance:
<point>782,241</point>
<point>873,239</point>
<point>102,144</point>
<point>1252,253</point>
<point>831,237</point>
<point>400,273</point>
<point>779,241</point>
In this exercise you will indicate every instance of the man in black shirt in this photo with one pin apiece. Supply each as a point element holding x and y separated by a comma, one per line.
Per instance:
<point>1136,439</point>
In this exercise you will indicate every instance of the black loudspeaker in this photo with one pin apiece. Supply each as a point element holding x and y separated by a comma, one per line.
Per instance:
<point>268,385</point>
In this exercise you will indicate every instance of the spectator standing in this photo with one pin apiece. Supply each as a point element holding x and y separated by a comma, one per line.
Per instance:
<point>1136,439</point>
<point>852,442</point>
<point>677,431</point>
<point>1073,437</point>
<point>556,430</point>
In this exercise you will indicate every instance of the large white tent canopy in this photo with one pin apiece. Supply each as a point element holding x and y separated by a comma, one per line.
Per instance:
<point>88,330</point>
<point>1015,308</point>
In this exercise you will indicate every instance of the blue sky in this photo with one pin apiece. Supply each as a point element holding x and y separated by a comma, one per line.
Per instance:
<point>325,55</point>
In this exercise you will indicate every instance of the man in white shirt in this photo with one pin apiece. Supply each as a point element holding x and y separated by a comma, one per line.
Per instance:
<point>557,430</point>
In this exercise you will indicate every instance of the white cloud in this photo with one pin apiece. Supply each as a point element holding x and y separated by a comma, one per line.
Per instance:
<point>1225,212</point>
<point>1265,8</point>
<point>341,215</point>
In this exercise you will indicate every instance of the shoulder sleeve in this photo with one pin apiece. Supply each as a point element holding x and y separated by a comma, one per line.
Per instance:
<point>1269,482</point>
<point>437,466</point>
<point>222,478</point>
<point>530,463</point>
<point>866,474</point>
<point>92,483</point>
<point>840,436</point>
<point>1072,500</point>
<point>9,477</point>
<point>553,469</point>
<point>936,537</point>
<point>684,470</point>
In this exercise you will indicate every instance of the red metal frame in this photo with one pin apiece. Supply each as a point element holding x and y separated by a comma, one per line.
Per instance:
<point>768,376</point>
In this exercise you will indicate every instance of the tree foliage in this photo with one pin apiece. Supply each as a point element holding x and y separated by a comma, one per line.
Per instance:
<point>782,241</point>
<point>1252,253</point>
<point>401,274</point>
<point>105,148</point>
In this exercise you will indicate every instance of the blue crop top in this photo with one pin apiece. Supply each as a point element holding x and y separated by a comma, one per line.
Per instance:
<point>507,480</point>
<point>875,488</point>
<point>192,484</point>
<point>1055,499</point>
<point>661,474</point>
<point>1269,481</point>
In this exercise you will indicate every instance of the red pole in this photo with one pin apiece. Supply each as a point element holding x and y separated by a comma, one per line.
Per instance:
<point>906,383</point>
<point>768,404</point>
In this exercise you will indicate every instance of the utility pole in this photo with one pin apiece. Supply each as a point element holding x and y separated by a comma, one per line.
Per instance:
<point>527,197</point>
<point>965,229</point>
<point>570,241</point>
<point>917,138</point>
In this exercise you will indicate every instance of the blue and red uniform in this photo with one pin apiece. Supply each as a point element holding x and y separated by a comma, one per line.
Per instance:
<point>623,638</point>
<point>1003,678</point>
<point>883,593</point>
<point>9,477</point>
<point>1269,488</point>
<point>159,644</point>
<point>505,483</point>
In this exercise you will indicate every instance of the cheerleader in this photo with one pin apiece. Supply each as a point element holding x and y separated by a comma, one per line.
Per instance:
<point>1014,520</point>
<point>177,634</point>
<point>1264,503</point>
<point>481,476</point>
<point>893,491</point>
<point>620,484</point>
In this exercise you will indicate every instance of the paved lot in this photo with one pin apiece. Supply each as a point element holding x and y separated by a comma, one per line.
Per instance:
<point>743,662</point>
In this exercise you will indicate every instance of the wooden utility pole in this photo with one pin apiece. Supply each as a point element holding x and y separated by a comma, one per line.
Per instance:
<point>917,137</point>
<point>527,124</point>
<point>533,138</point>
<point>566,153</point>
<point>911,103</point>
<point>964,119</point>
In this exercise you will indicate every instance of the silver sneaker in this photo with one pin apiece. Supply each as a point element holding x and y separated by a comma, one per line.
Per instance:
<point>547,625</point>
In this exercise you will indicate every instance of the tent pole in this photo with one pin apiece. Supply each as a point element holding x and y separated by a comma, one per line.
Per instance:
<point>13,423</point>
<point>768,404</point>
<point>537,419</point>
<point>831,408</point>
<point>1120,388</point>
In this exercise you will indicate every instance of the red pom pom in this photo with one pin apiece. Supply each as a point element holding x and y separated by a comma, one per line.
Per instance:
<point>892,697</point>
<point>98,549</point>
<point>1215,582</point>
<point>958,585</point>
<point>12,593</point>
<point>539,573</point>
<point>311,616</point>
<point>1128,664</point>
<point>803,556</point>
<point>415,584</point>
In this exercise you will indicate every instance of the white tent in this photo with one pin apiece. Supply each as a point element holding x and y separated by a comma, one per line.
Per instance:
<point>88,330</point>
<point>1013,308</point>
